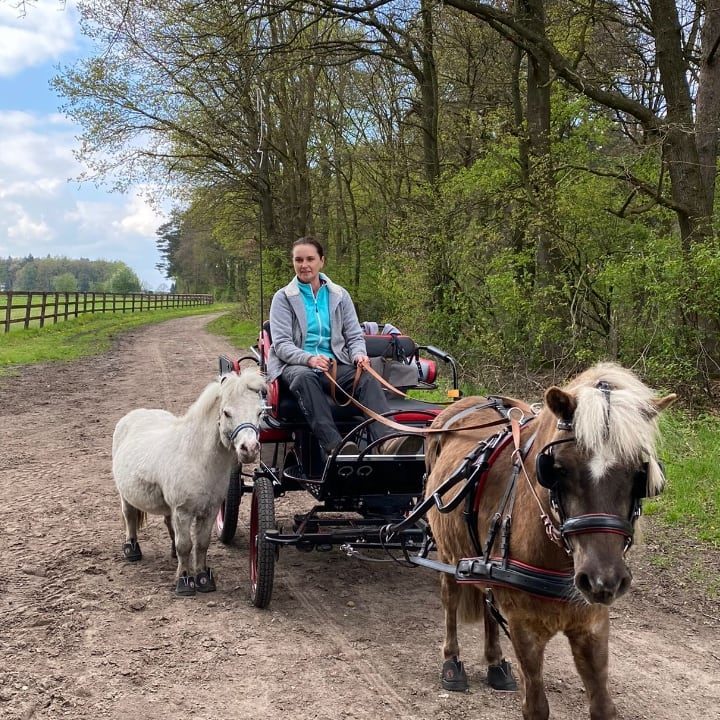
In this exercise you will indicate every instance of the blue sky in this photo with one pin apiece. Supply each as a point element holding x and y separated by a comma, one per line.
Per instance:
<point>43,211</point>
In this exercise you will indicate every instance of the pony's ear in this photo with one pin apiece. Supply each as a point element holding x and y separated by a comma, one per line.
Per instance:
<point>664,403</point>
<point>657,405</point>
<point>561,404</point>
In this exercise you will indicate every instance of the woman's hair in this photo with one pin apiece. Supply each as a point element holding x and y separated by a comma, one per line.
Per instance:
<point>309,240</point>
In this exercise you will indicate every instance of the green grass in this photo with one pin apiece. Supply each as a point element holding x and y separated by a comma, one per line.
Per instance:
<point>690,448</point>
<point>235,326</point>
<point>82,337</point>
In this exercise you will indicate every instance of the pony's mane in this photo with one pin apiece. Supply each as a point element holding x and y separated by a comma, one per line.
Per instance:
<point>250,380</point>
<point>619,426</point>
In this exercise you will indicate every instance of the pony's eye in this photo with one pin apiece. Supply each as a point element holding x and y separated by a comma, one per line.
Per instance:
<point>226,413</point>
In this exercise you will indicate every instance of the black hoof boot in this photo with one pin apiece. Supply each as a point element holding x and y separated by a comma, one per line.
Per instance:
<point>500,677</point>
<point>453,676</point>
<point>185,586</point>
<point>131,551</point>
<point>205,581</point>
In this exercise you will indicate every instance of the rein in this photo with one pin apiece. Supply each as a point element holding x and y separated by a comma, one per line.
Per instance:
<point>407,429</point>
<point>389,386</point>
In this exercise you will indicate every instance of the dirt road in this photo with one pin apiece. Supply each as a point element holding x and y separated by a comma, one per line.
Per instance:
<point>86,635</point>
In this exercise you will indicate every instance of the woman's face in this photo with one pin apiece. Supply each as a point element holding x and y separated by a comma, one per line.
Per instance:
<point>307,263</point>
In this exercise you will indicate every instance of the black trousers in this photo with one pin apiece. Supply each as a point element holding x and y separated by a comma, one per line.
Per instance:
<point>311,389</point>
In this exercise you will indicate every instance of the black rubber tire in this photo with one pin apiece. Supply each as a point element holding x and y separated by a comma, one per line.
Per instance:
<point>227,517</point>
<point>262,553</point>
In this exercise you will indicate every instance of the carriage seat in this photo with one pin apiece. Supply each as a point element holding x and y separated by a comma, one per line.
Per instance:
<point>395,347</point>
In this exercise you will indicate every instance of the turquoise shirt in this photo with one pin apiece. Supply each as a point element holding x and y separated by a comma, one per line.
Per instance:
<point>317,310</point>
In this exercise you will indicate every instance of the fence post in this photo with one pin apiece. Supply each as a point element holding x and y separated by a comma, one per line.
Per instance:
<point>28,305</point>
<point>43,309</point>
<point>8,310</point>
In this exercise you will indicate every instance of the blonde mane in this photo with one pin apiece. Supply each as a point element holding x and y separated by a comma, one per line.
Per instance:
<point>618,427</point>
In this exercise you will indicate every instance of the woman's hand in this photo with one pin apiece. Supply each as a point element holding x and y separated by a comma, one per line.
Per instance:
<point>319,362</point>
<point>362,360</point>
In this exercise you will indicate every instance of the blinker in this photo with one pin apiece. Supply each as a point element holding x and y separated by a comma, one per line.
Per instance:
<point>545,470</point>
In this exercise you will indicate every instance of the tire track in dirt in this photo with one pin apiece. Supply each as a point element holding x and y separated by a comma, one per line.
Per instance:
<point>372,676</point>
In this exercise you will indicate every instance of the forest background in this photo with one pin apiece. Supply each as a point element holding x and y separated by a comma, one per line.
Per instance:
<point>529,184</point>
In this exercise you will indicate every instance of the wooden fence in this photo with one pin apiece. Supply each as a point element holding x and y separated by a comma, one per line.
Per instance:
<point>38,308</point>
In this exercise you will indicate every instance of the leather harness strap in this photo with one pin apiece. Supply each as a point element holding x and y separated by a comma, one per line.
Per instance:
<point>332,377</point>
<point>370,370</point>
<point>407,429</point>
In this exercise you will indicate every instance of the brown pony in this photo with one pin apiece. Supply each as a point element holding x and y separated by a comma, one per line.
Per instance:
<point>589,458</point>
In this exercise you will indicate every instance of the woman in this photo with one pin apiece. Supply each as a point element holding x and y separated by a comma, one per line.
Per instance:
<point>313,322</point>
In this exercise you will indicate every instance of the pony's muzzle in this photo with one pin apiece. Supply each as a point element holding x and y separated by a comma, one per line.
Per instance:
<point>603,582</point>
<point>247,447</point>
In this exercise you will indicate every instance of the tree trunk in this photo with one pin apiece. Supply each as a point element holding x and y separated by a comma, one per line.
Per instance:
<point>680,148</point>
<point>707,108</point>
<point>429,94</point>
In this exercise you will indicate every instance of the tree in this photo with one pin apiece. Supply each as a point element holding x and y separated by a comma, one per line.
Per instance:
<point>123,281</point>
<point>66,282</point>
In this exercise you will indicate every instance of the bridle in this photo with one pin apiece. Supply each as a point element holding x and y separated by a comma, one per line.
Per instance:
<point>243,426</point>
<point>547,476</point>
<point>232,434</point>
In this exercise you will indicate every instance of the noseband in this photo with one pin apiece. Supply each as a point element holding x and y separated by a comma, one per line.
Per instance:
<point>243,426</point>
<point>590,522</point>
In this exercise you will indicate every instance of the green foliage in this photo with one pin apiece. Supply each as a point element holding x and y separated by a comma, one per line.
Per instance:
<point>123,281</point>
<point>31,274</point>
<point>520,261</point>
<point>66,282</point>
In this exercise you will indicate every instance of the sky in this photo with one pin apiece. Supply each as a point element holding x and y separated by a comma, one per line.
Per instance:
<point>44,210</point>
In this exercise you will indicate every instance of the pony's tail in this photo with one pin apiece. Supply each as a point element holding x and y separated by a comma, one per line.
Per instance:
<point>471,605</point>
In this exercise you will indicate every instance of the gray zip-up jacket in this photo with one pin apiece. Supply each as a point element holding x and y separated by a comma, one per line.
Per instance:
<point>288,328</point>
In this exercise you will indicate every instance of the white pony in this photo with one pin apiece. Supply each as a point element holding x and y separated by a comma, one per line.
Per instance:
<point>179,467</point>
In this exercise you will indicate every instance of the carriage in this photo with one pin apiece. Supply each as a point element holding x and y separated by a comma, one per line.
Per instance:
<point>355,495</point>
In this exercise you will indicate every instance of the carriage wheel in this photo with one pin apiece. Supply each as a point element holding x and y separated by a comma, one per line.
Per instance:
<point>227,517</point>
<point>262,553</point>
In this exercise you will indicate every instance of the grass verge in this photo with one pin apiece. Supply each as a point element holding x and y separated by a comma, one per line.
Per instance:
<point>690,448</point>
<point>82,337</point>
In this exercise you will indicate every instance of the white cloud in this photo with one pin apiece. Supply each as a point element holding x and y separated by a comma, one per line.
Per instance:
<point>31,146</point>
<point>140,217</point>
<point>30,188</point>
<point>43,33</point>
<point>26,231</point>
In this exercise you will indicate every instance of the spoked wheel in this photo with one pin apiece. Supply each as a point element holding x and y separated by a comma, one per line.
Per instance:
<point>227,517</point>
<point>262,553</point>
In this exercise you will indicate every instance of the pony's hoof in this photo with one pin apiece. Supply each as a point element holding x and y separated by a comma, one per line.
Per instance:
<point>205,581</point>
<point>500,677</point>
<point>453,676</point>
<point>131,551</point>
<point>185,586</point>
